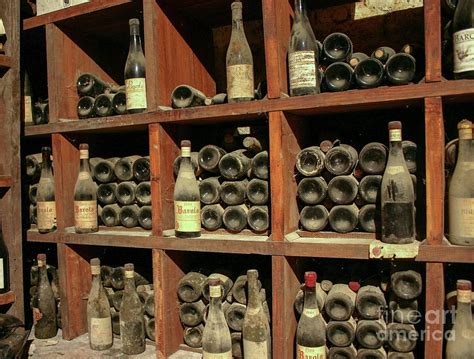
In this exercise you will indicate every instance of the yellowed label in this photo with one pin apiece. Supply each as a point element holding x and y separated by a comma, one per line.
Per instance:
<point>46,215</point>
<point>41,263</point>
<point>27,110</point>
<point>227,355</point>
<point>464,50</point>
<point>393,170</point>
<point>135,90</point>
<point>101,331</point>
<point>129,274</point>
<point>256,350</point>
<point>240,81</point>
<point>215,291</point>
<point>464,296</point>
<point>83,154</point>
<point>186,152</point>
<point>84,175</point>
<point>85,214</point>
<point>187,216</point>
<point>395,135</point>
<point>461,216</point>
<point>95,270</point>
<point>302,69</point>
<point>378,249</point>
<point>310,313</point>
<point>465,134</point>
<point>2,275</point>
<point>310,352</point>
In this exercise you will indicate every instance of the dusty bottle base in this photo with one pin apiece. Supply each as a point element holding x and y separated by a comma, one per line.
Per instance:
<point>180,234</point>
<point>85,230</point>
<point>461,241</point>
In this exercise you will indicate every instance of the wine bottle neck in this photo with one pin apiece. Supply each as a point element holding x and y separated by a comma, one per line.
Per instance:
<point>46,169</point>
<point>43,273</point>
<point>237,22</point>
<point>300,9</point>
<point>135,39</point>
<point>84,165</point>
<point>310,298</point>
<point>129,282</point>
<point>254,298</point>
<point>215,305</point>
<point>463,311</point>
<point>465,151</point>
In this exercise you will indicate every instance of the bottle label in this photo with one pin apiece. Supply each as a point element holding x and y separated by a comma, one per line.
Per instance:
<point>302,69</point>
<point>135,90</point>
<point>83,154</point>
<point>85,214</point>
<point>186,151</point>
<point>464,296</point>
<point>393,170</point>
<point>101,331</point>
<point>461,217</point>
<point>240,82</point>
<point>2,275</point>
<point>227,355</point>
<point>395,135</point>
<point>95,270</point>
<point>27,110</point>
<point>84,175</point>
<point>215,291</point>
<point>311,313</point>
<point>310,352</point>
<point>46,215</point>
<point>464,50</point>
<point>129,274</point>
<point>256,349</point>
<point>187,216</point>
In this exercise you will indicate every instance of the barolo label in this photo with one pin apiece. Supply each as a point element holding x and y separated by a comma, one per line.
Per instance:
<point>464,50</point>
<point>27,110</point>
<point>464,296</point>
<point>461,216</point>
<point>226,355</point>
<point>311,313</point>
<point>2,275</point>
<point>46,216</point>
<point>256,349</point>
<point>187,215</point>
<point>135,90</point>
<point>310,352</point>
<point>101,331</point>
<point>240,81</point>
<point>85,214</point>
<point>302,66</point>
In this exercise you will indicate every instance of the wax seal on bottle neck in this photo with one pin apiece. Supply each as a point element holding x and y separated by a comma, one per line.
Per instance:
<point>41,259</point>
<point>129,270</point>
<point>310,279</point>
<point>464,290</point>
<point>215,288</point>
<point>395,131</point>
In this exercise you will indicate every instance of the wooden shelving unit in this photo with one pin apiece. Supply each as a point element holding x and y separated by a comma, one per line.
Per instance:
<point>179,49</point>
<point>7,298</point>
<point>6,181</point>
<point>6,61</point>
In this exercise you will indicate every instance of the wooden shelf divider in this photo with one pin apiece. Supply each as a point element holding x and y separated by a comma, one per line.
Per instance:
<point>7,298</point>
<point>6,61</point>
<point>6,181</point>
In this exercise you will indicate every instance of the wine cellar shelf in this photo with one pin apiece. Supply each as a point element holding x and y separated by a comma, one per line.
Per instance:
<point>175,49</point>
<point>5,61</point>
<point>6,181</point>
<point>7,298</point>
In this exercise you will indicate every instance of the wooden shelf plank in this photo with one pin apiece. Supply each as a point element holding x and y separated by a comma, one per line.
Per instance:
<point>6,181</point>
<point>6,61</point>
<point>7,298</point>
<point>77,10</point>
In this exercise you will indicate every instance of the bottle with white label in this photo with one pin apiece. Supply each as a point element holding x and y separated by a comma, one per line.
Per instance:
<point>132,321</point>
<point>46,204</point>
<point>4,267</point>
<point>44,308</point>
<point>397,193</point>
<point>303,54</point>
<point>27,100</point>
<point>135,83</point>
<point>311,331</point>
<point>216,341</point>
<point>463,40</point>
<point>461,190</point>
<point>239,61</point>
<point>99,322</point>
<point>256,329</point>
<point>85,196</point>
<point>187,205</point>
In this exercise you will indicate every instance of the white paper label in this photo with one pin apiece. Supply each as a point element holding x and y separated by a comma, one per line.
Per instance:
<point>206,355</point>
<point>27,109</point>
<point>464,296</point>
<point>310,353</point>
<point>95,270</point>
<point>187,216</point>
<point>464,50</point>
<point>240,81</point>
<point>311,313</point>
<point>46,215</point>
<point>135,90</point>
<point>461,216</point>
<point>101,331</point>
<point>85,214</point>
<point>2,275</point>
<point>393,170</point>
<point>253,350</point>
<point>302,68</point>
<point>395,135</point>
<point>215,291</point>
<point>129,274</point>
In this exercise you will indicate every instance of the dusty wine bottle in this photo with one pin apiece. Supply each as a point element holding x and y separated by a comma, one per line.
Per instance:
<point>260,165</point>
<point>235,315</point>
<point>369,218</point>
<point>235,218</point>
<point>258,218</point>
<point>211,216</point>
<point>106,193</point>
<point>340,302</point>
<point>141,169</point>
<point>103,105</point>
<point>463,40</point>
<point>257,191</point>
<point>303,54</point>
<point>235,165</point>
<point>4,265</point>
<point>85,107</point>
<point>233,192</point>
<point>404,311</point>
<point>45,198</point>
<point>119,103</point>
<point>210,190</point>
<point>239,61</point>
<point>383,54</point>
<point>314,218</point>
<point>341,160</point>
<point>125,192</point>
<point>402,337</point>
<point>135,77</point>
<point>193,336</point>
<point>343,189</point>
<point>369,73</point>
<point>194,161</point>
<point>226,283</point>
<point>338,77</point>
<point>461,190</point>
<point>369,188</point>
<point>143,193</point>
<point>190,287</point>
<point>184,96</point>
<point>33,166</point>
<point>150,304</point>
<point>129,215</point>
<point>373,157</point>
<point>371,334</point>
<point>115,316</point>
<point>192,314</point>
<point>409,153</point>
<point>337,47</point>
<point>33,193</point>
<point>44,311</point>
<point>400,69</point>
<point>123,168</point>
<point>256,329</point>
<point>312,190</point>
<point>85,196</point>
<point>370,302</point>
<point>145,217</point>
<point>239,289</point>
<point>406,284</point>
<point>209,157</point>
<point>343,218</point>
<point>98,312</point>
<point>110,215</point>
<point>105,275</point>
<point>132,325</point>
<point>321,296</point>
<point>397,194</point>
<point>348,352</point>
<point>341,333</point>
<point>103,169</point>
<point>364,353</point>
<point>187,205</point>
<point>310,161</point>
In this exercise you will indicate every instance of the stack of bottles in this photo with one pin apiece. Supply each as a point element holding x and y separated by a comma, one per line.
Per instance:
<point>194,296</point>
<point>234,184</point>
<point>340,187</point>
<point>98,98</point>
<point>357,316</point>
<point>123,190</point>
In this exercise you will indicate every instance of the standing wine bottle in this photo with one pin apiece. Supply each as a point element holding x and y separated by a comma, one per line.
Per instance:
<point>311,331</point>
<point>303,54</point>
<point>85,196</point>
<point>256,329</point>
<point>27,100</point>
<point>187,205</point>
<point>135,77</point>
<point>463,40</point>
<point>4,265</point>
<point>459,344</point>
<point>373,157</point>
<point>239,61</point>
<point>216,342</point>
<point>132,324</point>
<point>397,194</point>
<point>98,312</point>
<point>45,199</point>
<point>461,190</point>
<point>141,169</point>
<point>44,311</point>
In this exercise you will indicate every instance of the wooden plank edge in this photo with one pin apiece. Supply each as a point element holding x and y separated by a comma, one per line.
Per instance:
<point>7,298</point>
<point>6,61</point>
<point>6,181</point>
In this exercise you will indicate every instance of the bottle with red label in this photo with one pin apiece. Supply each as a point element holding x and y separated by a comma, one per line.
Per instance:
<point>46,205</point>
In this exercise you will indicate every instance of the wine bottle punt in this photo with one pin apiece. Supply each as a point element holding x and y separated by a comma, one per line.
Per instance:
<point>85,107</point>
<point>258,218</point>
<point>141,169</point>
<point>314,218</point>
<point>409,153</point>
<point>341,160</point>
<point>211,216</point>
<point>184,96</point>
<point>402,337</point>
<point>106,193</point>
<point>44,311</point>
<point>210,190</point>
<point>235,218</point>
<point>235,165</point>
<point>369,218</point>
<point>135,77</point>
<point>383,54</point>
<point>235,315</point>
<point>404,311</point>
<point>258,191</point>
<point>343,189</point>
<point>103,105</point>
<point>193,336</point>
<point>338,77</point>
<point>125,192</point>
<point>145,217</point>
<point>88,84</point>
<point>119,103</point>
<point>123,168</point>
<point>312,190</point>
<point>85,196</point>
<point>103,169</point>
<point>187,205</point>
<point>341,333</point>
<point>344,218</point>
<point>4,265</point>
<point>33,166</point>
<point>234,192</point>
<point>340,302</point>
<point>348,352</point>
<point>406,284</point>
<point>192,314</point>
<point>209,157</point>
<point>400,69</point>
<point>310,161</point>
<point>337,47</point>
<point>463,40</point>
<point>364,353</point>
<point>190,286</point>
<point>45,195</point>
<point>370,302</point>
<point>129,216</point>
<point>371,334</point>
<point>110,215</point>
<point>260,165</point>
<point>369,73</point>
<point>194,161</point>
<point>143,193</point>
<point>373,157</point>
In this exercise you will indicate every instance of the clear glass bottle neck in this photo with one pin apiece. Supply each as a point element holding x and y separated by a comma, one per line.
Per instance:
<point>310,298</point>
<point>300,10</point>
<point>84,165</point>
<point>135,39</point>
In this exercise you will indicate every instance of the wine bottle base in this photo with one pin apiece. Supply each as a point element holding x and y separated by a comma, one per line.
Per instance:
<point>86,230</point>
<point>180,234</point>
<point>44,231</point>
<point>101,347</point>
<point>461,241</point>
<point>304,91</point>
<point>468,75</point>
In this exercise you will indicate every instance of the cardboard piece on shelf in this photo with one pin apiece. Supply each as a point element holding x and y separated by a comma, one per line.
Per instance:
<point>379,250</point>
<point>47,6</point>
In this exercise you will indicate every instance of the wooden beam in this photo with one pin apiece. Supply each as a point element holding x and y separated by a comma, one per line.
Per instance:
<point>433,57</point>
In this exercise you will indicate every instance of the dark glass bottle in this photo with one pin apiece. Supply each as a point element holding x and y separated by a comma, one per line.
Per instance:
<point>337,47</point>
<point>369,73</point>
<point>463,40</point>
<point>45,198</point>
<point>338,77</point>
<point>400,69</point>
